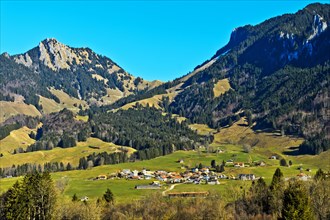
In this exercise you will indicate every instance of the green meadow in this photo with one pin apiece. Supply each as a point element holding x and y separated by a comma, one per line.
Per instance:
<point>229,140</point>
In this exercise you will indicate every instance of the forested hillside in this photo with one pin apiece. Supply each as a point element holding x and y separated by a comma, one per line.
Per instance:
<point>279,77</point>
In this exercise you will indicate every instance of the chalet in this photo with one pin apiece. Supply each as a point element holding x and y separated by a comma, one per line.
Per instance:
<point>213,182</point>
<point>147,187</point>
<point>246,177</point>
<point>303,176</point>
<point>260,163</point>
<point>135,172</point>
<point>222,176</point>
<point>102,177</point>
<point>84,199</point>
<point>153,185</point>
<point>126,171</point>
<point>194,170</point>
<point>239,164</point>
<point>274,157</point>
<point>205,170</point>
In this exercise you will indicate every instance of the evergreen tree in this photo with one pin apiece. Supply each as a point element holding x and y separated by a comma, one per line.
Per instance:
<point>320,175</point>
<point>74,198</point>
<point>296,203</point>
<point>34,198</point>
<point>283,162</point>
<point>276,193</point>
<point>213,163</point>
<point>108,196</point>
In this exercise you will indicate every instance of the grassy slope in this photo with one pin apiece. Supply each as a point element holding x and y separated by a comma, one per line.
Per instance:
<point>221,87</point>
<point>153,101</point>
<point>9,109</point>
<point>66,155</point>
<point>202,129</point>
<point>78,181</point>
<point>17,138</point>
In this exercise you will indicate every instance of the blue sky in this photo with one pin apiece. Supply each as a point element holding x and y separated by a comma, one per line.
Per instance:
<point>152,39</point>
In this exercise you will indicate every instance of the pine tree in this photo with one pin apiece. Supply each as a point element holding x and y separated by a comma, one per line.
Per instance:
<point>296,203</point>
<point>108,196</point>
<point>320,175</point>
<point>74,198</point>
<point>276,191</point>
<point>213,163</point>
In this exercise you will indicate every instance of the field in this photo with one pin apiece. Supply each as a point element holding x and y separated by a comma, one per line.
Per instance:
<point>153,101</point>
<point>228,140</point>
<point>58,154</point>
<point>16,139</point>
<point>221,87</point>
<point>9,109</point>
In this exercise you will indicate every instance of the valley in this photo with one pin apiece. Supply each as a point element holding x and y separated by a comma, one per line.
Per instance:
<point>247,130</point>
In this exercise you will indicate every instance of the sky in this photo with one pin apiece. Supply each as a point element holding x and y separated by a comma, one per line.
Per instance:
<point>152,39</point>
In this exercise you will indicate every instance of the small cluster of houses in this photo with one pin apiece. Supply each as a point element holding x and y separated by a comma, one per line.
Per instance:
<point>194,176</point>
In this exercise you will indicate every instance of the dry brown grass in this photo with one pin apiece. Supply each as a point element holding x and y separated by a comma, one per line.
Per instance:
<point>16,139</point>
<point>8,109</point>
<point>64,155</point>
<point>221,87</point>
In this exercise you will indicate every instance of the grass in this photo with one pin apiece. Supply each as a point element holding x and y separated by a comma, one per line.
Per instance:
<point>153,101</point>
<point>221,87</point>
<point>49,105</point>
<point>82,118</point>
<point>9,109</point>
<point>79,180</point>
<point>202,129</point>
<point>64,155</point>
<point>230,140</point>
<point>68,101</point>
<point>16,139</point>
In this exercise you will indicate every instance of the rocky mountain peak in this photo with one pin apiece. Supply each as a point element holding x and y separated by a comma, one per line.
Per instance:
<point>57,56</point>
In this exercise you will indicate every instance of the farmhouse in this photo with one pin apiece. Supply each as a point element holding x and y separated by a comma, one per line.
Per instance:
<point>102,177</point>
<point>153,185</point>
<point>246,177</point>
<point>147,187</point>
<point>84,199</point>
<point>239,164</point>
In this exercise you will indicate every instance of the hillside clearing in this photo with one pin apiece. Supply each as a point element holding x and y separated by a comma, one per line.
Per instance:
<point>16,139</point>
<point>9,109</point>
<point>221,87</point>
<point>64,155</point>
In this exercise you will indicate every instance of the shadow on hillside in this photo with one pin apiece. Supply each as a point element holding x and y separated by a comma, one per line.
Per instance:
<point>293,151</point>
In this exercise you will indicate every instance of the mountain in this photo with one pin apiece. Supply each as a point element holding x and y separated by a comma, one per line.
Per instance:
<point>52,70</point>
<point>278,74</point>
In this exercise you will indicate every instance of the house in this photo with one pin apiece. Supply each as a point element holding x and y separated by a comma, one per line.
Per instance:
<point>181,161</point>
<point>213,182</point>
<point>194,170</point>
<point>246,177</point>
<point>262,164</point>
<point>303,176</point>
<point>223,176</point>
<point>102,177</point>
<point>84,199</point>
<point>135,172</point>
<point>126,171</point>
<point>239,164</point>
<point>274,157</point>
<point>147,187</point>
<point>205,170</point>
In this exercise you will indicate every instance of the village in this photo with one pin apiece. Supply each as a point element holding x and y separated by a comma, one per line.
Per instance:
<point>195,175</point>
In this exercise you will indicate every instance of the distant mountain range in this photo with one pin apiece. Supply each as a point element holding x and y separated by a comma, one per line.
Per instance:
<point>275,73</point>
